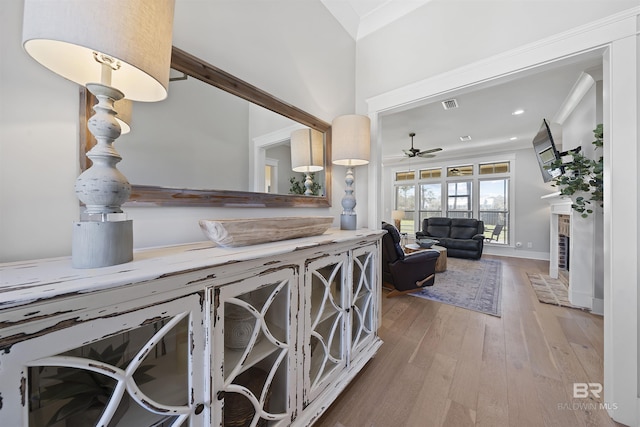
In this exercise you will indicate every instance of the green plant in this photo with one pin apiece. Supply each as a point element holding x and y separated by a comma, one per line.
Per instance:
<point>297,186</point>
<point>582,175</point>
<point>84,389</point>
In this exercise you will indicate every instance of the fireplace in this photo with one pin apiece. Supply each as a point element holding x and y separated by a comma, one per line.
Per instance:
<point>576,253</point>
<point>560,235</point>
<point>564,235</point>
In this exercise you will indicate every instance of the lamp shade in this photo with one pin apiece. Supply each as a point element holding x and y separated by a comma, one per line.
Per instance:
<point>307,150</point>
<point>397,215</point>
<point>351,140</point>
<point>64,35</point>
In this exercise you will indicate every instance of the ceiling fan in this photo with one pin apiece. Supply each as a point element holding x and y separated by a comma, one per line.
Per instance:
<point>415,152</point>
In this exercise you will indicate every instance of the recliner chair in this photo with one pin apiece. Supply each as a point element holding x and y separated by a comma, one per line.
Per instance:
<point>407,273</point>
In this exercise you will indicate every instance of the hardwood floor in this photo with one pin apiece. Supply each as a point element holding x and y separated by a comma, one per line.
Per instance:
<point>447,366</point>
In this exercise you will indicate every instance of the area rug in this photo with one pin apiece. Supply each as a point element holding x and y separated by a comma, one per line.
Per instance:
<point>471,284</point>
<point>549,290</point>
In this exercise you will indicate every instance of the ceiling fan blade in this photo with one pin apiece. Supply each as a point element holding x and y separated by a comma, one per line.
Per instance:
<point>409,153</point>
<point>432,150</point>
<point>425,155</point>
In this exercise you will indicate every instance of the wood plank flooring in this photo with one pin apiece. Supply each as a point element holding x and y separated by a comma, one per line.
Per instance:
<point>447,366</point>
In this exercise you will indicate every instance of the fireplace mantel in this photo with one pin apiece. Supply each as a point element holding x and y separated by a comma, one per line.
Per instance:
<point>583,261</point>
<point>560,205</point>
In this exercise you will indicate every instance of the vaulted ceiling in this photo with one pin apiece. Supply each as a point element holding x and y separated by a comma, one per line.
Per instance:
<point>483,120</point>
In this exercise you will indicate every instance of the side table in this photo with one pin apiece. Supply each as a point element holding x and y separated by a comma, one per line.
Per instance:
<point>441,263</point>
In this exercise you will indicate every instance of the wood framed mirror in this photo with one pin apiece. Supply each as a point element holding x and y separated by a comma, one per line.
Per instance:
<point>158,195</point>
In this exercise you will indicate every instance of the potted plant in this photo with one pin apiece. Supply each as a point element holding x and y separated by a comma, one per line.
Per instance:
<point>297,187</point>
<point>582,177</point>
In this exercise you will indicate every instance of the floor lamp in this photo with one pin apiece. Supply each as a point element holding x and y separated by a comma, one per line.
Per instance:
<point>115,48</point>
<point>307,154</point>
<point>351,141</point>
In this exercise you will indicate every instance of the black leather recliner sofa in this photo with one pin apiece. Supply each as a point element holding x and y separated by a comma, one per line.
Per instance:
<point>463,237</point>
<point>407,273</point>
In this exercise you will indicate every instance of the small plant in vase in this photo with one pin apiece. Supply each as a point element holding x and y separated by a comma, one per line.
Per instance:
<point>297,186</point>
<point>582,177</point>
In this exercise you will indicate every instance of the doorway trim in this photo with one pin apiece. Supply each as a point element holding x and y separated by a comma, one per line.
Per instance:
<point>616,39</point>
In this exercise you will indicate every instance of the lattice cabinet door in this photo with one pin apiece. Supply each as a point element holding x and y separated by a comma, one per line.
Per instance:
<point>364,294</point>
<point>137,366</point>
<point>324,345</point>
<point>253,349</point>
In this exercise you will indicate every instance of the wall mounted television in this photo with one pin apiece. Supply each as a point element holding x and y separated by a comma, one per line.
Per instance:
<point>546,152</point>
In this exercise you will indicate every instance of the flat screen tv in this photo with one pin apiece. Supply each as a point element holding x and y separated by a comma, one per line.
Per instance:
<point>546,152</point>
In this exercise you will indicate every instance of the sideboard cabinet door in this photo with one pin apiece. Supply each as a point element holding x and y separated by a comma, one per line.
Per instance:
<point>253,349</point>
<point>121,365</point>
<point>326,299</point>
<point>364,298</point>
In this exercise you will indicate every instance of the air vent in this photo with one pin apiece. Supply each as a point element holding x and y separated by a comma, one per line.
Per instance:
<point>465,138</point>
<point>449,104</point>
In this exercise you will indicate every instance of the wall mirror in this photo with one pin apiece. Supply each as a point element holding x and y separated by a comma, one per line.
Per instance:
<point>215,141</point>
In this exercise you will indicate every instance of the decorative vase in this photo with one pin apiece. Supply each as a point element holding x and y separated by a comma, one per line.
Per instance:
<point>238,327</point>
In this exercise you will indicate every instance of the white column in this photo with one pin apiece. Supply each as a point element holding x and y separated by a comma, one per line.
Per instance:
<point>621,237</point>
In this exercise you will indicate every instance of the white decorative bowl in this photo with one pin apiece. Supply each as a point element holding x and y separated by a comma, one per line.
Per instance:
<point>426,243</point>
<point>250,231</point>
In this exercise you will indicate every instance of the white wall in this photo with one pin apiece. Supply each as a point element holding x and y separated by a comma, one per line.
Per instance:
<point>294,50</point>
<point>587,275</point>
<point>443,35</point>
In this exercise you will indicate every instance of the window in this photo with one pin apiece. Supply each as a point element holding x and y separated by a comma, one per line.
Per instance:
<point>430,173</point>
<point>480,190</point>
<point>405,176</point>
<point>459,199</point>
<point>430,200</point>
<point>406,201</point>
<point>489,168</point>
<point>494,208</point>
<point>460,170</point>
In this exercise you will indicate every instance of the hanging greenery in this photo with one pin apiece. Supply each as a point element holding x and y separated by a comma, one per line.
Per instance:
<point>582,178</point>
<point>297,186</point>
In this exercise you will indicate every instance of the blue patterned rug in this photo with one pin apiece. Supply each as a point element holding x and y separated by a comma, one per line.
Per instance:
<point>471,284</point>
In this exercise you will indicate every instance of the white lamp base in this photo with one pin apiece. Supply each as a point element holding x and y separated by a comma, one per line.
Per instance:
<point>348,222</point>
<point>101,243</point>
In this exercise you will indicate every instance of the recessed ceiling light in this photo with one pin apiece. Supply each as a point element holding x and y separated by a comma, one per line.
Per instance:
<point>513,138</point>
<point>517,112</point>
<point>465,138</point>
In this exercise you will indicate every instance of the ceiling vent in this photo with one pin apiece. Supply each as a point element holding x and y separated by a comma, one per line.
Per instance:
<point>465,138</point>
<point>449,104</point>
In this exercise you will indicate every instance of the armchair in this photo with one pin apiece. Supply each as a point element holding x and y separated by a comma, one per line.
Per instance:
<point>407,273</point>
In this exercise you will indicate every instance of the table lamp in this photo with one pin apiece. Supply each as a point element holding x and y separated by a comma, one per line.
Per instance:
<point>397,216</point>
<point>351,141</point>
<point>307,154</point>
<point>115,48</point>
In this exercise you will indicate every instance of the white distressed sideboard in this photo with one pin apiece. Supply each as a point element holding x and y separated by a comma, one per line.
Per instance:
<point>190,335</point>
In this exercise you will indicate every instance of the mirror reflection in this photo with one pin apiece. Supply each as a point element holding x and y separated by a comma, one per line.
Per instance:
<point>215,141</point>
<point>220,141</point>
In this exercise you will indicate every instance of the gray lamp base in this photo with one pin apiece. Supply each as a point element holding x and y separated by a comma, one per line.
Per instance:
<point>101,244</point>
<point>348,222</point>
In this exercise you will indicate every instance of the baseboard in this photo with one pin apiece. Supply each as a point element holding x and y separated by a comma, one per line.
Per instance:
<point>514,252</point>
<point>597,306</point>
<point>581,300</point>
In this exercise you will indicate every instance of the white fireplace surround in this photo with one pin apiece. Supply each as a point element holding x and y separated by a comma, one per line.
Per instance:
<point>585,269</point>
